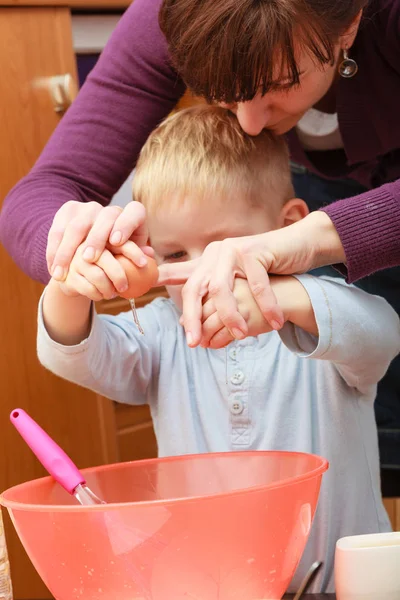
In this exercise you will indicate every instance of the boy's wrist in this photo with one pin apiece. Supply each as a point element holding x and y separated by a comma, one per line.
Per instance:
<point>295,302</point>
<point>59,287</point>
<point>66,318</point>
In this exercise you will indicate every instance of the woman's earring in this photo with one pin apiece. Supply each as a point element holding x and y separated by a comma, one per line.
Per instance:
<point>348,67</point>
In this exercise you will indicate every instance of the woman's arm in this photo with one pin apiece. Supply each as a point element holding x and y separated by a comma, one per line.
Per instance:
<point>97,142</point>
<point>369,229</point>
<point>363,232</point>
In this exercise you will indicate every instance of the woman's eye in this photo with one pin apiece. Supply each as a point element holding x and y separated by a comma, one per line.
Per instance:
<point>175,256</point>
<point>286,84</point>
<point>286,87</point>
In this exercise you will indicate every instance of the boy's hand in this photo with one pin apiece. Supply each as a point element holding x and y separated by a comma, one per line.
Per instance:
<point>215,334</point>
<point>291,296</point>
<point>99,281</point>
<point>67,306</point>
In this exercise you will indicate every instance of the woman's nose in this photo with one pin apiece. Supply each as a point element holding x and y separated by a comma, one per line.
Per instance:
<point>253,117</point>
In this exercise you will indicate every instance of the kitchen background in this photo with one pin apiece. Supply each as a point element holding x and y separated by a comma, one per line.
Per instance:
<point>47,49</point>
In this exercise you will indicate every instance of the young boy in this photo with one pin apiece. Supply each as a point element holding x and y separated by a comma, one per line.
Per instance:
<point>309,387</point>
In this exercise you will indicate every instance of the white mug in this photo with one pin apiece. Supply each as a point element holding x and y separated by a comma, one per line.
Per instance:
<point>367,567</point>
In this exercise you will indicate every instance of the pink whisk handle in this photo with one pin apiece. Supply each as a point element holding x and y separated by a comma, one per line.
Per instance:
<point>52,457</point>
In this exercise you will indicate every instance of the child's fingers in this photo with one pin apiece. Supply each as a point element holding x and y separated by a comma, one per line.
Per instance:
<point>95,275</point>
<point>209,328</point>
<point>208,309</point>
<point>77,284</point>
<point>113,270</point>
<point>221,339</point>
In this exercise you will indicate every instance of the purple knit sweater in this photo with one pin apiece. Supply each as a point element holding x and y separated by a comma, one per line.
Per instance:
<point>134,86</point>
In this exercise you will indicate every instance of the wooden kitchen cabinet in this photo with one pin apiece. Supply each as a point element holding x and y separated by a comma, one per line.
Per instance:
<point>35,46</point>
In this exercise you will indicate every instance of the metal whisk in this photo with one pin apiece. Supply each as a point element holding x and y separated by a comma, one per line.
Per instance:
<point>135,315</point>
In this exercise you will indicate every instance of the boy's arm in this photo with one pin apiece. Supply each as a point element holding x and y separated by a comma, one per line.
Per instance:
<point>291,297</point>
<point>296,304</point>
<point>103,353</point>
<point>357,331</point>
<point>325,319</point>
<point>66,318</point>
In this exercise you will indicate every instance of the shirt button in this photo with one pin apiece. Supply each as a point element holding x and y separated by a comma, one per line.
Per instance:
<point>237,407</point>
<point>237,378</point>
<point>233,353</point>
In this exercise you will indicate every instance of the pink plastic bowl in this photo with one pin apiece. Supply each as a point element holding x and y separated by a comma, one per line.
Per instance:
<point>209,527</point>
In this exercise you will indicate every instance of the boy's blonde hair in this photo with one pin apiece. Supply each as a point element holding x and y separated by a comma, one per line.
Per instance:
<point>202,153</point>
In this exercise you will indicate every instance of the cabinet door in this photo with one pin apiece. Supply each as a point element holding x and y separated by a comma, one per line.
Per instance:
<point>35,44</point>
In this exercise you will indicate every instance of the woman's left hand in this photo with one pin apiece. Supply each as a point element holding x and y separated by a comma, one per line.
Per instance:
<point>214,274</point>
<point>297,248</point>
<point>215,334</point>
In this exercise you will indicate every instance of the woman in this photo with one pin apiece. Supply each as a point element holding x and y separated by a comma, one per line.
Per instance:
<point>271,62</point>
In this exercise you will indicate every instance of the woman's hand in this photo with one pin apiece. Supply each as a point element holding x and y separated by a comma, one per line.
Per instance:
<point>298,248</point>
<point>95,226</point>
<point>215,334</point>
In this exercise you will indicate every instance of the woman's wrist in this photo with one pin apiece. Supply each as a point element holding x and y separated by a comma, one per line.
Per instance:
<point>327,248</point>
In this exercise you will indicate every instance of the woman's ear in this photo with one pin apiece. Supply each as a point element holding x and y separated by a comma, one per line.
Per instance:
<point>348,37</point>
<point>292,211</point>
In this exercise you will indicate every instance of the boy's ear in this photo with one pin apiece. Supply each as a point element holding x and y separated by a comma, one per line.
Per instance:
<point>294,210</point>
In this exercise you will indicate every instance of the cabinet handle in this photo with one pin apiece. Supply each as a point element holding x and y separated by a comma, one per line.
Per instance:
<point>63,91</point>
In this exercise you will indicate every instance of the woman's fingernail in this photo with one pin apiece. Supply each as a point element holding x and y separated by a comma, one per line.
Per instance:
<point>123,287</point>
<point>58,273</point>
<point>237,333</point>
<point>189,338</point>
<point>89,253</point>
<point>142,261</point>
<point>116,238</point>
<point>276,325</point>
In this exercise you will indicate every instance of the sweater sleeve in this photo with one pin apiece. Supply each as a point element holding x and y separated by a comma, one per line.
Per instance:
<point>358,332</point>
<point>95,146</point>
<point>369,228</point>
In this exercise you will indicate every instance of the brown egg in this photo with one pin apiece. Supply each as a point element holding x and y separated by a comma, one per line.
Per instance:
<point>140,279</point>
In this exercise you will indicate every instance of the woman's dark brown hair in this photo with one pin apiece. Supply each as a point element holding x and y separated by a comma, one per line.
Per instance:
<point>228,50</point>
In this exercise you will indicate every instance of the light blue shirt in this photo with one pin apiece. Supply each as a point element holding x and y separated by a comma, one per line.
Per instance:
<point>279,391</point>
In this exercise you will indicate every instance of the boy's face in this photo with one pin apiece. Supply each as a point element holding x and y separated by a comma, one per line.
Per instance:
<point>181,233</point>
